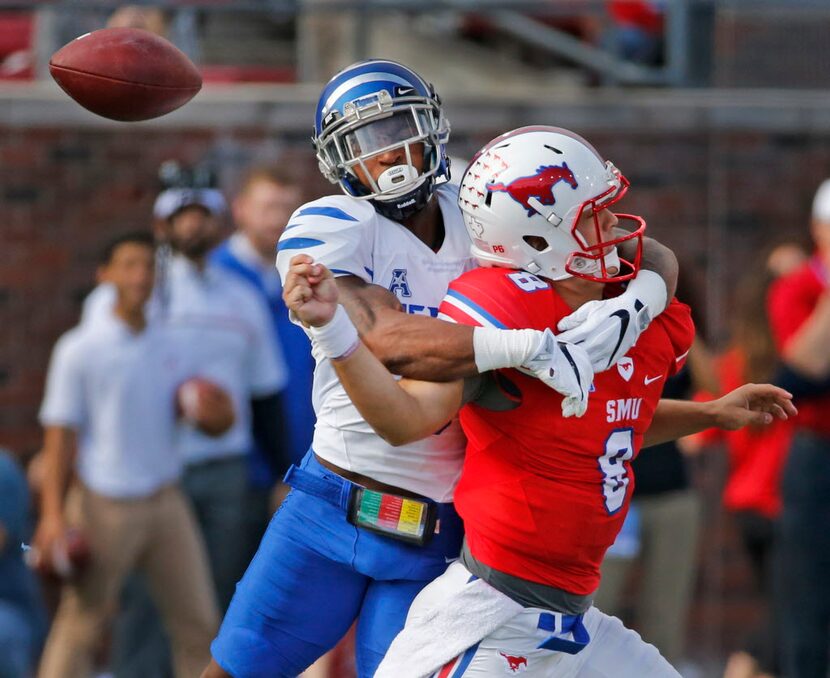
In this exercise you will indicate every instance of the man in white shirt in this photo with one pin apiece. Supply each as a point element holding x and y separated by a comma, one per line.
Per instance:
<point>261,208</point>
<point>111,393</point>
<point>230,338</point>
<point>229,335</point>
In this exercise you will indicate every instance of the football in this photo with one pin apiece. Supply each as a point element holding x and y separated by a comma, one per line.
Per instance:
<point>206,405</point>
<point>67,561</point>
<point>125,74</point>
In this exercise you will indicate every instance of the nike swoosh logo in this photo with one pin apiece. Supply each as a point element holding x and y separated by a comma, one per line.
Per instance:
<point>567,354</point>
<point>625,318</point>
<point>651,380</point>
<point>450,560</point>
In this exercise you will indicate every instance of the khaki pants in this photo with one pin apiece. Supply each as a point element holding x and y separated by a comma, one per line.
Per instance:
<point>669,525</point>
<point>157,535</point>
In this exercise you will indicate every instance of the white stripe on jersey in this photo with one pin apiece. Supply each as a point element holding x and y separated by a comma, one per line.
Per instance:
<point>468,310</point>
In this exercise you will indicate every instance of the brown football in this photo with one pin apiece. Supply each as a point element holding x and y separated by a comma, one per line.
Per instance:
<point>125,74</point>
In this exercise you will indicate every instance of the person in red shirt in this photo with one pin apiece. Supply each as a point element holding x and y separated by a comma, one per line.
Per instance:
<point>752,493</point>
<point>542,497</point>
<point>799,312</point>
<point>637,30</point>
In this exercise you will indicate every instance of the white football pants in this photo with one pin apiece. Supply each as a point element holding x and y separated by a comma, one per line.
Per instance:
<point>511,648</point>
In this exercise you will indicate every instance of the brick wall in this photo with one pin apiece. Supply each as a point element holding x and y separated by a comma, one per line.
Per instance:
<point>772,47</point>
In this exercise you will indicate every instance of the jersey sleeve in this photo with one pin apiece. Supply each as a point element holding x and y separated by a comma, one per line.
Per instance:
<point>64,402</point>
<point>491,298</point>
<point>789,306</point>
<point>680,329</point>
<point>335,231</point>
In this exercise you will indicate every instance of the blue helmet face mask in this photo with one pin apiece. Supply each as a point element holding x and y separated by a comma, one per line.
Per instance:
<point>378,107</point>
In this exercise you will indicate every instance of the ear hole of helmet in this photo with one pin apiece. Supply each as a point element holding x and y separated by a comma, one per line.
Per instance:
<point>537,242</point>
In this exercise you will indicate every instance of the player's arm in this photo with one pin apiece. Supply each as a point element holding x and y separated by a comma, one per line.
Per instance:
<point>58,461</point>
<point>806,350</point>
<point>414,346</point>
<point>747,405</point>
<point>607,329</point>
<point>62,414</point>
<point>399,411</point>
<point>560,365</point>
<point>657,258</point>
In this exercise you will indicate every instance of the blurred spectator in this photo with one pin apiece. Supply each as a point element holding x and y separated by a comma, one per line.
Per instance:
<point>663,523</point>
<point>22,616</point>
<point>147,18</point>
<point>784,258</point>
<point>231,340</point>
<point>111,393</point>
<point>265,201</point>
<point>55,26</point>
<point>799,312</point>
<point>756,456</point>
<point>17,59</point>
<point>638,30</point>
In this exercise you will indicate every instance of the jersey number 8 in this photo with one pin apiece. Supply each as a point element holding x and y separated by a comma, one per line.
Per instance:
<point>619,448</point>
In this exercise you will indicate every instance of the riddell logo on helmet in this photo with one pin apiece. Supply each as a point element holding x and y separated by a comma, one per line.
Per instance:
<point>539,186</point>
<point>514,663</point>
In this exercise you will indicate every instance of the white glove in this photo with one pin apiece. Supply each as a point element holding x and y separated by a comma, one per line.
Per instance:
<point>566,368</point>
<point>607,329</point>
<point>562,366</point>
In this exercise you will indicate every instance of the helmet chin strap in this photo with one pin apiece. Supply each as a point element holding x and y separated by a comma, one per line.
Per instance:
<point>404,206</point>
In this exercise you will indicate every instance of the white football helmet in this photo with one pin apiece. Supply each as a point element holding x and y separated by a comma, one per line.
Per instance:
<point>523,195</point>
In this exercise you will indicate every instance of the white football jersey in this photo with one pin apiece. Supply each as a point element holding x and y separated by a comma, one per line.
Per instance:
<point>351,238</point>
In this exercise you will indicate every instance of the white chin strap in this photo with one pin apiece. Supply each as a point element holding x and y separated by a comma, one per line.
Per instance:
<point>398,178</point>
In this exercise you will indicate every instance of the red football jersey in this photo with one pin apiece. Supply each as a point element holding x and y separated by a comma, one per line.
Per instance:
<point>791,302</point>
<point>543,497</point>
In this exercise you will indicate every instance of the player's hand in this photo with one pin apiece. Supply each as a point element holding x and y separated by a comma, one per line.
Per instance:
<point>566,368</point>
<point>214,413</point>
<point>309,291</point>
<point>606,329</point>
<point>752,405</point>
<point>49,538</point>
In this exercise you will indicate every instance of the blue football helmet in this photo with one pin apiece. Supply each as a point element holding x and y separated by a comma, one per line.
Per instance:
<point>373,107</point>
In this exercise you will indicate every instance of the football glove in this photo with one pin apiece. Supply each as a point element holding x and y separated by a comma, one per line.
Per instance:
<point>607,329</point>
<point>566,368</point>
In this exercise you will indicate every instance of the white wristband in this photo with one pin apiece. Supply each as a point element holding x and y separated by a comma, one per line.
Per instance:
<point>650,288</point>
<point>338,338</point>
<point>495,348</point>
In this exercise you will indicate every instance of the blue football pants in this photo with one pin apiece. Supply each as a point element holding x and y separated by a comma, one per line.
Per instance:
<point>313,575</point>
